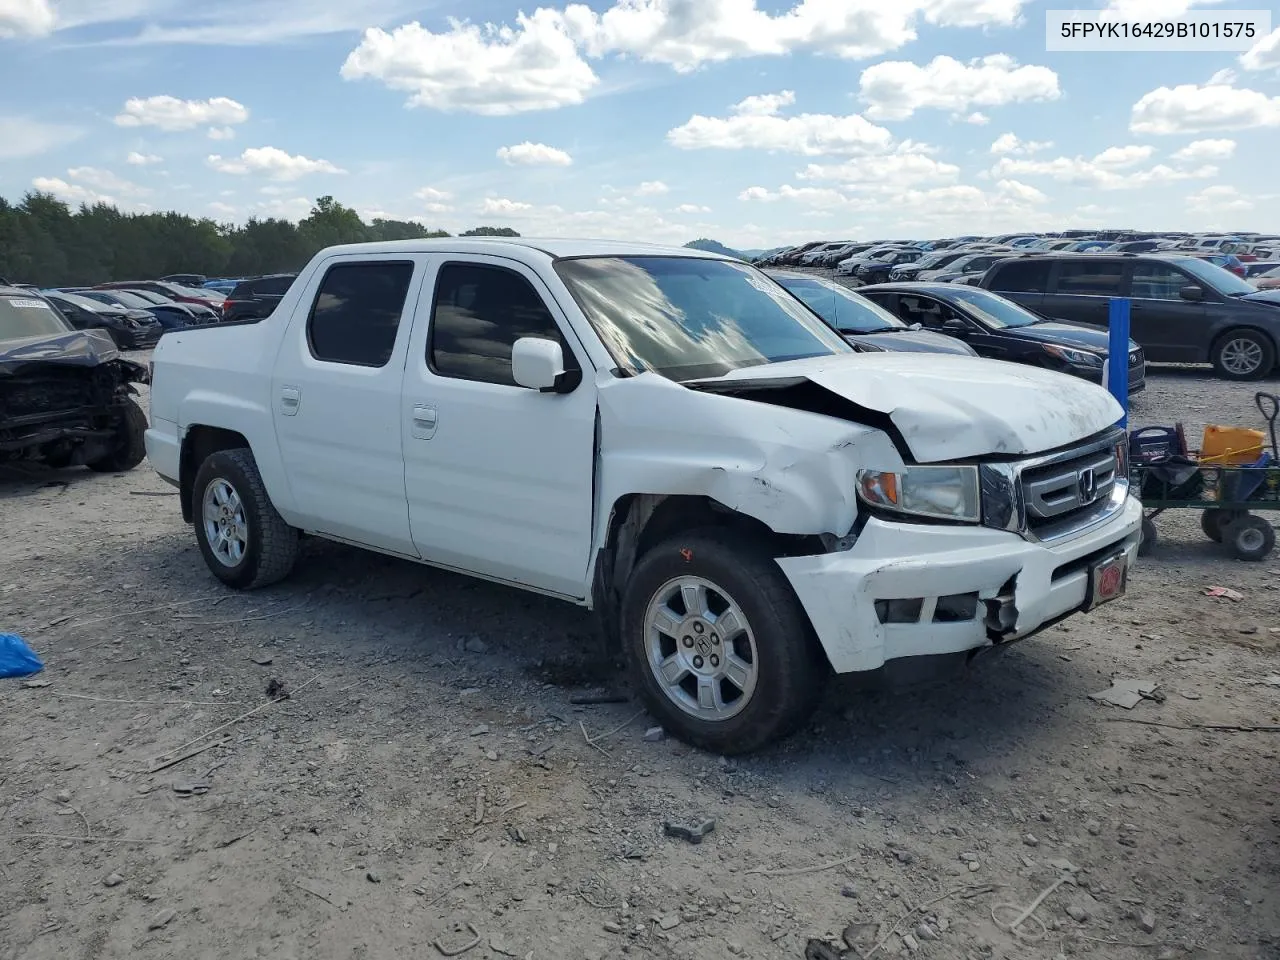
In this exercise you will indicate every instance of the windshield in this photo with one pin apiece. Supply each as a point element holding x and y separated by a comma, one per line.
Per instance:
<point>84,303</point>
<point>841,307</point>
<point>1216,277</point>
<point>993,310</point>
<point>687,318</point>
<point>29,317</point>
<point>146,296</point>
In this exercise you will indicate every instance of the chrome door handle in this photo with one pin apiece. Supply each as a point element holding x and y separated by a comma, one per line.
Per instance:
<point>425,419</point>
<point>290,401</point>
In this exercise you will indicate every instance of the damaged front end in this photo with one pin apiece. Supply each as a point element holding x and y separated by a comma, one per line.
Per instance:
<point>62,398</point>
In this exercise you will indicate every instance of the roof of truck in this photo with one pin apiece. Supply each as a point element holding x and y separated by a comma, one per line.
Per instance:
<point>554,247</point>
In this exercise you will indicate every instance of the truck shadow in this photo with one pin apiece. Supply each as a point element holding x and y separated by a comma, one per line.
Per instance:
<point>19,479</point>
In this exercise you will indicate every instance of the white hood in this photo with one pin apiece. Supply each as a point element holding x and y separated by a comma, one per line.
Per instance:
<point>954,407</point>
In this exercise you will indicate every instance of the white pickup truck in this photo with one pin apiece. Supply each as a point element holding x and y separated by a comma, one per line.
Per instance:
<point>665,436</point>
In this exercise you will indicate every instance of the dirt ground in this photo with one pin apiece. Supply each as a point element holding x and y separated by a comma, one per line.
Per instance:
<point>428,782</point>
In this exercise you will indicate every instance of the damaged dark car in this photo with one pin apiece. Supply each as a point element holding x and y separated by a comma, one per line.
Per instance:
<point>66,396</point>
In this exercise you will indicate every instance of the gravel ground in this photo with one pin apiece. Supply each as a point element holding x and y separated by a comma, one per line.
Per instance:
<point>428,783</point>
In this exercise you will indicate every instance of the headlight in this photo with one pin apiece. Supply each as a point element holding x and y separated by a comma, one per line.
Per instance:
<point>1081,358</point>
<point>946,493</point>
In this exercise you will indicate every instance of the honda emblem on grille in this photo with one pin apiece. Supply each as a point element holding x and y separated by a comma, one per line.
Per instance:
<point>1087,482</point>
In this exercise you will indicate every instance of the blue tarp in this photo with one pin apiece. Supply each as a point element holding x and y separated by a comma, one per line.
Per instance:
<point>16,658</point>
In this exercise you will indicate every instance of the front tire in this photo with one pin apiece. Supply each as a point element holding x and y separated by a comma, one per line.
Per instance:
<point>131,442</point>
<point>245,543</point>
<point>718,643</point>
<point>1244,355</point>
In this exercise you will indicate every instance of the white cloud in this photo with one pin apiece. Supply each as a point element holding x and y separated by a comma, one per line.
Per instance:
<point>23,137</point>
<point>534,154</point>
<point>1188,108</point>
<point>1199,151</point>
<point>978,119</point>
<point>765,104</point>
<point>142,159</point>
<point>1008,144</point>
<point>1220,199</point>
<point>540,61</point>
<point>272,162</point>
<point>1151,9</point>
<point>70,192</point>
<point>501,206</point>
<point>433,200</point>
<point>221,133</point>
<point>223,209</point>
<point>897,170</point>
<point>1021,191</point>
<point>692,208</point>
<point>30,18</point>
<point>170,113</point>
<point>806,133</point>
<point>105,180</point>
<point>491,70</point>
<point>896,89</point>
<point>1263,55</point>
<point>1224,77</point>
<point>1102,172</point>
<point>652,188</point>
<point>291,208</point>
<point>1117,158</point>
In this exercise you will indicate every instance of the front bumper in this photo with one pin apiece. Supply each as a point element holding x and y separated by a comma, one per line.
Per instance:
<point>1033,584</point>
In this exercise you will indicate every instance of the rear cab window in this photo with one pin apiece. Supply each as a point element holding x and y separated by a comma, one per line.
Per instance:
<point>357,312</point>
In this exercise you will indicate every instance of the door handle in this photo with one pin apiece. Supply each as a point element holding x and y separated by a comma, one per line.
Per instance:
<point>290,401</point>
<point>425,419</point>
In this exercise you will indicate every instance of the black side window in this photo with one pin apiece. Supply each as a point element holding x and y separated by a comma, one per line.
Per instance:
<point>1022,276</point>
<point>1101,278</point>
<point>479,314</point>
<point>930,313</point>
<point>272,286</point>
<point>357,312</point>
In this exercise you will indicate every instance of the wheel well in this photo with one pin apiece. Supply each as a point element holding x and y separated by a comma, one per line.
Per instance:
<point>639,522</point>
<point>198,445</point>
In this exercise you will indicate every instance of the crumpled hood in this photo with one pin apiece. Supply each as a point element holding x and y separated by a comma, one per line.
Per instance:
<point>950,408</point>
<point>80,348</point>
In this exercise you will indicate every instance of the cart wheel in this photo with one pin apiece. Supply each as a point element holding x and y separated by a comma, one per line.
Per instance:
<point>1213,521</point>
<point>1149,537</point>
<point>1250,538</point>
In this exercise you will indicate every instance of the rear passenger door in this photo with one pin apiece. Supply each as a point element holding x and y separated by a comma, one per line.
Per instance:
<point>1167,327</point>
<point>499,477</point>
<point>1023,281</point>
<point>335,399</point>
<point>1081,290</point>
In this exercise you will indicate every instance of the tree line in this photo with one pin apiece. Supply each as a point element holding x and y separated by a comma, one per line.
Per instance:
<point>43,241</point>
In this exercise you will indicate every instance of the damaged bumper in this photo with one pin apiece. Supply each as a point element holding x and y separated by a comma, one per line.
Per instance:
<point>909,590</point>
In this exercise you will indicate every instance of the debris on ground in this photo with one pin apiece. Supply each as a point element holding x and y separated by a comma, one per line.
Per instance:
<point>263,660</point>
<point>112,880</point>
<point>654,734</point>
<point>37,684</point>
<point>277,690</point>
<point>1128,693</point>
<point>16,658</point>
<point>692,834</point>
<point>1224,593</point>
<point>188,788</point>
<point>162,919</point>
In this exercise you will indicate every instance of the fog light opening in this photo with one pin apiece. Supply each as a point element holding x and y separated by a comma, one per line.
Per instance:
<point>900,611</point>
<point>957,608</point>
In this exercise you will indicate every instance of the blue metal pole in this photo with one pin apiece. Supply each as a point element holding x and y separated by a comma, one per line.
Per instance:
<point>1118,350</point>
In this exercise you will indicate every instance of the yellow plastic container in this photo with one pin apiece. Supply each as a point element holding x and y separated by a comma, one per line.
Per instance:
<point>1231,445</point>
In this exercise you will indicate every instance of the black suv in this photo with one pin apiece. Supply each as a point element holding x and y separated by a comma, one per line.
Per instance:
<point>255,299</point>
<point>1184,310</point>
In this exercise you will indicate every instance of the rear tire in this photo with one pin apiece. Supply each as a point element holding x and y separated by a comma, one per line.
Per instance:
<point>245,542</point>
<point>1213,522</point>
<point>1244,355</point>
<point>1250,538</point>
<point>718,643</point>
<point>131,442</point>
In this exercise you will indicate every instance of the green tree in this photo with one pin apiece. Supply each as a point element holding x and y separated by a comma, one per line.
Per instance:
<point>490,232</point>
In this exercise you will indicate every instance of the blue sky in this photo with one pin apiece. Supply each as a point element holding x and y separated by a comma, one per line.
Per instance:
<point>756,122</point>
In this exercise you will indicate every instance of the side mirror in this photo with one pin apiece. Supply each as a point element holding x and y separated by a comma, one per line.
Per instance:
<point>1192,292</point>
<point>956,328</point>
<point>536,363</point>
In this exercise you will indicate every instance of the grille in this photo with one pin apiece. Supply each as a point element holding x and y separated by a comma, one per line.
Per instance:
<point>1070,490</point>
<point>1136,359</point>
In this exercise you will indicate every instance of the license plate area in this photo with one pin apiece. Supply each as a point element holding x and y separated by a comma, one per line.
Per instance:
<point>1108,580</point>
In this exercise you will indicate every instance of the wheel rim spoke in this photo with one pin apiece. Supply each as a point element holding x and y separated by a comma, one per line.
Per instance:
<point>737,671</point>
<point>707,698</point>
<point>695,598</point>
<point>673,670</point>
<point>729,624</point>
<point>226,527</point>
<point>667,621</point>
